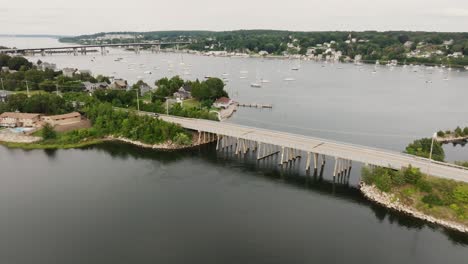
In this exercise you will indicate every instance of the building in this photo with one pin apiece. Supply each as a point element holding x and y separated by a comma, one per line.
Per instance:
<point>223,102</point>
<point>91,87</point>
<point>68,72</point>
<point>184,92</point>
<point>47,66</point>
<point>4,95</point>
<point>119,84</point>
<point>64,119</point>
<point>13,119</point>
<point>144,89</point>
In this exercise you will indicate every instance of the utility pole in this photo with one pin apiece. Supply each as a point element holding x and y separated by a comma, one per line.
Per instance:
<point>138,101</point>
<point>1,80</point>
<point>167,106</point>
<point>27,88</point>
<point>56,88</point>
<point>430,153</point>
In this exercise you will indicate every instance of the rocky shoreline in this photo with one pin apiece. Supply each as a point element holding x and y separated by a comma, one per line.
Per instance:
<point>390,201</point>
<point>169,145</point>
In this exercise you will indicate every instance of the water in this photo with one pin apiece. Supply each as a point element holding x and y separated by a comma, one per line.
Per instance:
<point>119,204</point>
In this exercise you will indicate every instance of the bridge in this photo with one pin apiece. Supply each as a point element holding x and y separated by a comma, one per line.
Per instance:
<point>287,147</point>
<point>83,49</point>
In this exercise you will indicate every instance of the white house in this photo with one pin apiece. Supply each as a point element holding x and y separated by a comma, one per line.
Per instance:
<point>223,102</point>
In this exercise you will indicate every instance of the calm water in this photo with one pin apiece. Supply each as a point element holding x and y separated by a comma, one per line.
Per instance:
<point>119,204</point>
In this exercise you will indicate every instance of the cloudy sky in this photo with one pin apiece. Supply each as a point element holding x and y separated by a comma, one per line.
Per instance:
<point>90,16</point>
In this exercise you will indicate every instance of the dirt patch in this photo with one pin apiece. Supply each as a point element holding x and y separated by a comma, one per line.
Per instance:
<point>84,123</point>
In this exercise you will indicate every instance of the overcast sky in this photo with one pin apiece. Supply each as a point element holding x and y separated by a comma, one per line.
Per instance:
<point>90,16</point>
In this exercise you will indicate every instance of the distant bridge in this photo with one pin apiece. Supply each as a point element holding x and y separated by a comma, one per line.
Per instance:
<point>287,147</point>
<point>83,49</point>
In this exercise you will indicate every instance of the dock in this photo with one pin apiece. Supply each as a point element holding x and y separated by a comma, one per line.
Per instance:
<point>255,105</point>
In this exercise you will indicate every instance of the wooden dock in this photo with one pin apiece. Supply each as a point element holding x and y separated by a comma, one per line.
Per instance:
<point>255,105</point>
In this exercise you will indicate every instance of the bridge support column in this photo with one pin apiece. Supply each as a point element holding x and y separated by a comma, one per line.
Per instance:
<point>323,160</point>
<point>83,51</point>
<point>316,157</point>
<point>43,52</point>
<point>282,156</point>
<point>103,51</point>
<point>137,49</point>
<point>259,149</point>
<point>75,52</point>
<point>335,167</point>
<point>308,161</point>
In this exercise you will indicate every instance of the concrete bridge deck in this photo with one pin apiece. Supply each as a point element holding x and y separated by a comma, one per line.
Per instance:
<point>76,47</point>
<point>341,151</point>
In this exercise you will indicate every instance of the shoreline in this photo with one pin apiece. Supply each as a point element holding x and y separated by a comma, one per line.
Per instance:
<point>389,201</point>
<point>168,145</point>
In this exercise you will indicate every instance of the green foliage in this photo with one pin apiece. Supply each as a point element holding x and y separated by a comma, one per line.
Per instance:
<point>182,139</point>
<point>441,134</point>
<point>462,163</point>
<point>412,175</point>
<point>461,193</point>
<point>107,121</point>
<point>211,89</point>
<point>432,200</point>
<point>422,148</point>
<point>43,103</point>
<point>48,132</point>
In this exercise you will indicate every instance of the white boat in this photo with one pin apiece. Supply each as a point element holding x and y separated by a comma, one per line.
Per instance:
<point>225,74</point>
<point>295,68</point>
<point>289,79</point>
<point>243,77</point>
<point>466,68</point>
<point>265,81</point>
<point>244,72</point>
<point>255,85</point>
<point>147,72</point>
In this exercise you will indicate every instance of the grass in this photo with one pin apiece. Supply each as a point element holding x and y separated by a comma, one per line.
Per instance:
<point>31,92</point>
<point>51,144</point>
<point>190,103</point>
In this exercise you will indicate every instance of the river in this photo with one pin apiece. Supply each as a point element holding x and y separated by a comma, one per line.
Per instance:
<point>115,203</point>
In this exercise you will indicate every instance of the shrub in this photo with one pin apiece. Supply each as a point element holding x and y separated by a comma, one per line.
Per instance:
<point>432,200</point>
<point>48,132</point>
<point>383,182</point>
<point>398,178</point>
<point>412,175</point>
<point>182,139</point>
<point>458,132</point>
<point>424,186</point>
<point>460,193</point>
<point>441,134</point>
<point>465,131</point>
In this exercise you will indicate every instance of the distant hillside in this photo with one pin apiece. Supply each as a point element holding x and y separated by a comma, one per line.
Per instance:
<point>423,47</point>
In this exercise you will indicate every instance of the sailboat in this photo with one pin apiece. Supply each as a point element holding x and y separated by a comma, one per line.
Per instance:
<point>255,85</point>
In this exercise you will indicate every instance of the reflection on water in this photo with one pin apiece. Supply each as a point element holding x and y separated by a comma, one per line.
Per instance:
<point>336,187</point>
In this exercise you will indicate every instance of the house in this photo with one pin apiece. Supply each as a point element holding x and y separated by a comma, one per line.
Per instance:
<point>4,95</point>
<point>144,89</point>
<point>184,92</point>
<point>47,66</point>
<point>14,119</point>
<point>86,72</point>
<point>68,72</point>
<point>119,84</point>
<point>223,102</point>
<point>64,119</point>
<point>5,69</point>
<point>91,87</point>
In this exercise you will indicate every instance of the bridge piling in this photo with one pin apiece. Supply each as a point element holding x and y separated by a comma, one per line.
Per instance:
<point>308,161</point>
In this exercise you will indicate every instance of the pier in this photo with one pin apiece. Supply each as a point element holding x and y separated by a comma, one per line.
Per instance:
<point>256,105</point>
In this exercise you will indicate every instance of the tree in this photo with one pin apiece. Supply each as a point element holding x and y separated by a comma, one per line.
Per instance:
<point>15,63</point>
<point>48,132</point>
<point>422,148</point>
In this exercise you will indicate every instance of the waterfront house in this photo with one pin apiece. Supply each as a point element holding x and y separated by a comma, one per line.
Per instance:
<point>144,89</point>
<point>223,102</point>
<point>5,69</point>
<point>184,92</point>
<point>91,87</point>
<point>14,119</point>
<point>47,66</point>
<point>64,119</point>
<point>68,72</point>
<point>119,84</point>
<point>4,95</point>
